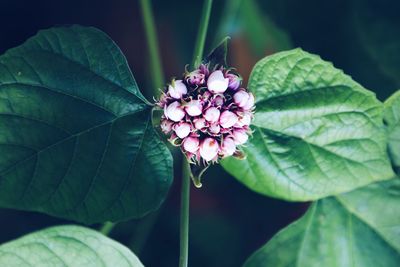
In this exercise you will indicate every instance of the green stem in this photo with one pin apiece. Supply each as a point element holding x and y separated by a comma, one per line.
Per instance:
<point>186,173</point>
<point>201,34</point>
<point>107,227</point>
<point>184,226</point>
<point>157,77</point>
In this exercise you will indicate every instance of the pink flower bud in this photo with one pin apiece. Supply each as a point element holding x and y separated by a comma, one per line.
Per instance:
<point>214,128</point>
<point>234,81</point>
<point>177,89</point>
<point>217,83</point>
<point>228,147</point>
<point>206,95</point>
<point>250,102</point>
<point>182,129</point>
<point>200,123</point>
<point>191,144</point>
<point>212,114</point>
<point>218,101</point>
<point>196,77</point>
<point>166,126</point>
<point>209,148</point>
<point>204,69</point>
<point>228,119</point>
<point>241,98</point>
<point>194,108</point>
<point>174,112</point>
<point>240,136</point>
<point>244,119</point>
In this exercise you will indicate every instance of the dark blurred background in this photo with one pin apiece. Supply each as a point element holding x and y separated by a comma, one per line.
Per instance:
<point>228,221</point>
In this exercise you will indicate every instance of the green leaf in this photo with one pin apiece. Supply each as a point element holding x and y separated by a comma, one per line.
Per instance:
<point>68,246</point>
<point>217,56</point>
<point>316,131</point>
<point>360,228</point>
<point>76,138</point>
<point>392,119</point>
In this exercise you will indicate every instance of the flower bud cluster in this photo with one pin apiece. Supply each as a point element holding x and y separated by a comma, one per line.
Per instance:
<point>207,113</point>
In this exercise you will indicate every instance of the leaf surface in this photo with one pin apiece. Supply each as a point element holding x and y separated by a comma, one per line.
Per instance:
<point>76,139</point>
<point>360,228</point>
<point>316,131</point>
<point>392,119</point>
<point>68,246</point>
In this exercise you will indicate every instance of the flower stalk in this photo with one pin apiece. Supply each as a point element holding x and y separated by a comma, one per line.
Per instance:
<point>154,54</point>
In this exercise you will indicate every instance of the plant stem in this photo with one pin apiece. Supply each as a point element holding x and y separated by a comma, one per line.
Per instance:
<point>157,77</point>
<point>107,227</point>
<point>184,223</point>
<point>185,190</point>
<point>201,34</point>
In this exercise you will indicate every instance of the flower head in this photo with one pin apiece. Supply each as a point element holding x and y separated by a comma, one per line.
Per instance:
<point>207,114</point>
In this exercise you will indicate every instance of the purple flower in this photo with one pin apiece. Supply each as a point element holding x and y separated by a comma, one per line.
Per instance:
<point>207,114</point>
<point>234,81</point>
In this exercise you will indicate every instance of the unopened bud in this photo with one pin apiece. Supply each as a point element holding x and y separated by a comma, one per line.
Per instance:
<point>209,149</point>
<point>212,114</point>
<point>177,89</point>
<point>194,108</point>
<point>191,144</point>
<point>182,129</point>
<point>228,119</point>
<point>217,83</point>
<point>174,112</point>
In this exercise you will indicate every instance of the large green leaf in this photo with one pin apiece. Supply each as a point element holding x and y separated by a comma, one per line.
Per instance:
<point>316,131</point>
<point>392,119</point>
<point>361,228</point>
<point>68,246</point>
<point>75,133</point>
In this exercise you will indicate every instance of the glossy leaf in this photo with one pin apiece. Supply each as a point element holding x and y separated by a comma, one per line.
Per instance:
<point>360,228</point>
<point>76,139</point>
<point>68,246</point>
<point>316,131</point>
<point>392,119</point>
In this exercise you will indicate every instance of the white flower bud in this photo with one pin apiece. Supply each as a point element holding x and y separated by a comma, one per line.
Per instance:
<point>240,136</point>
<point>212,114</point>
<point>217,83</point>
<point>174,112</point>
<point>209,149</point>
<point>200,123</point>
<point>166,126</point>
<point>182,129</point>
<point>214,128</point>
<point>177,89</point>
<point>228,119</point>
<point>194,108</point>
<point>241,98</point>
<point>191,144</point>
<point>244,119</point>
<point>250,102</point>
<point>228,147</point>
